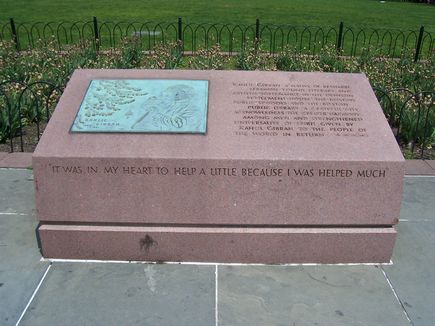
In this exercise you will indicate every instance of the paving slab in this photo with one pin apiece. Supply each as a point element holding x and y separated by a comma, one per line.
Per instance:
<point>314,295</point>
<point>124,294</point>
<point>16,192</point>
<point>418,202</point>
<point>412,274</point>
<point>20,265</point>
<point>17,160</point>
<point>418,167</point>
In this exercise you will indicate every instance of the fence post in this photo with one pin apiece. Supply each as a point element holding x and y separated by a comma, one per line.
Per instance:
<point>180,34</point>
<point>340,37</point>
<point>14,34</point>
<point>96,34</point>
<point>257,33</point>
<point>180,29</point>
<point>418,47</point>
<point>257,29</point>
<point>8,106</point>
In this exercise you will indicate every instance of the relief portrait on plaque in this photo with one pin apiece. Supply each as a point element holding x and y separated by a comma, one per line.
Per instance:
<point>144,106</point>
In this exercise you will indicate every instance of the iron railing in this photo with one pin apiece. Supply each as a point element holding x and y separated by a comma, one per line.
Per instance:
<point>25,109</point>
<point>411,116</point>
<point>272,38</point>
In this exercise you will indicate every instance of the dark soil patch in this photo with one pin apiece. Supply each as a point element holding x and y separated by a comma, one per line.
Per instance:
<point>29,139</point>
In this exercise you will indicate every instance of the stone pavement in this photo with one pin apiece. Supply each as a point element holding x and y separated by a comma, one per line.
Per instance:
<point>37,292</point>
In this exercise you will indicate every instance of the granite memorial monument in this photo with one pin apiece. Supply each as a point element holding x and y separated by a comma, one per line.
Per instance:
<point>218,166</point>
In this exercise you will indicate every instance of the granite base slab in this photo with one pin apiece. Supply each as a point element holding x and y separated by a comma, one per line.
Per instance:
<point>262,245</point>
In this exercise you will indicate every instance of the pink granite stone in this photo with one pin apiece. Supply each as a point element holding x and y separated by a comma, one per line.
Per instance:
<point>16,160</point>
<point>351,177</point>
<point>3,155</point>
<point>418,167</point>
<point>222,245</point>
<point>431,163</point>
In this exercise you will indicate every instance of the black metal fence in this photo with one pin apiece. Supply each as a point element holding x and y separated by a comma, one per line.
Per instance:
<point>350,40</point>
<point>411,116</point>
<point>26,109</point>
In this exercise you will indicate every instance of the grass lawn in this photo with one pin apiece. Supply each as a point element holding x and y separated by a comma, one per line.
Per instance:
<point>369,13</point>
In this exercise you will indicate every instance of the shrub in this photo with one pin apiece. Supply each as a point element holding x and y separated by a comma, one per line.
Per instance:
<point>209,59</point>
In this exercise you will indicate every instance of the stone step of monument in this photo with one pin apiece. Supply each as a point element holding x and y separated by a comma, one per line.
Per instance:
<point>263,245</point>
